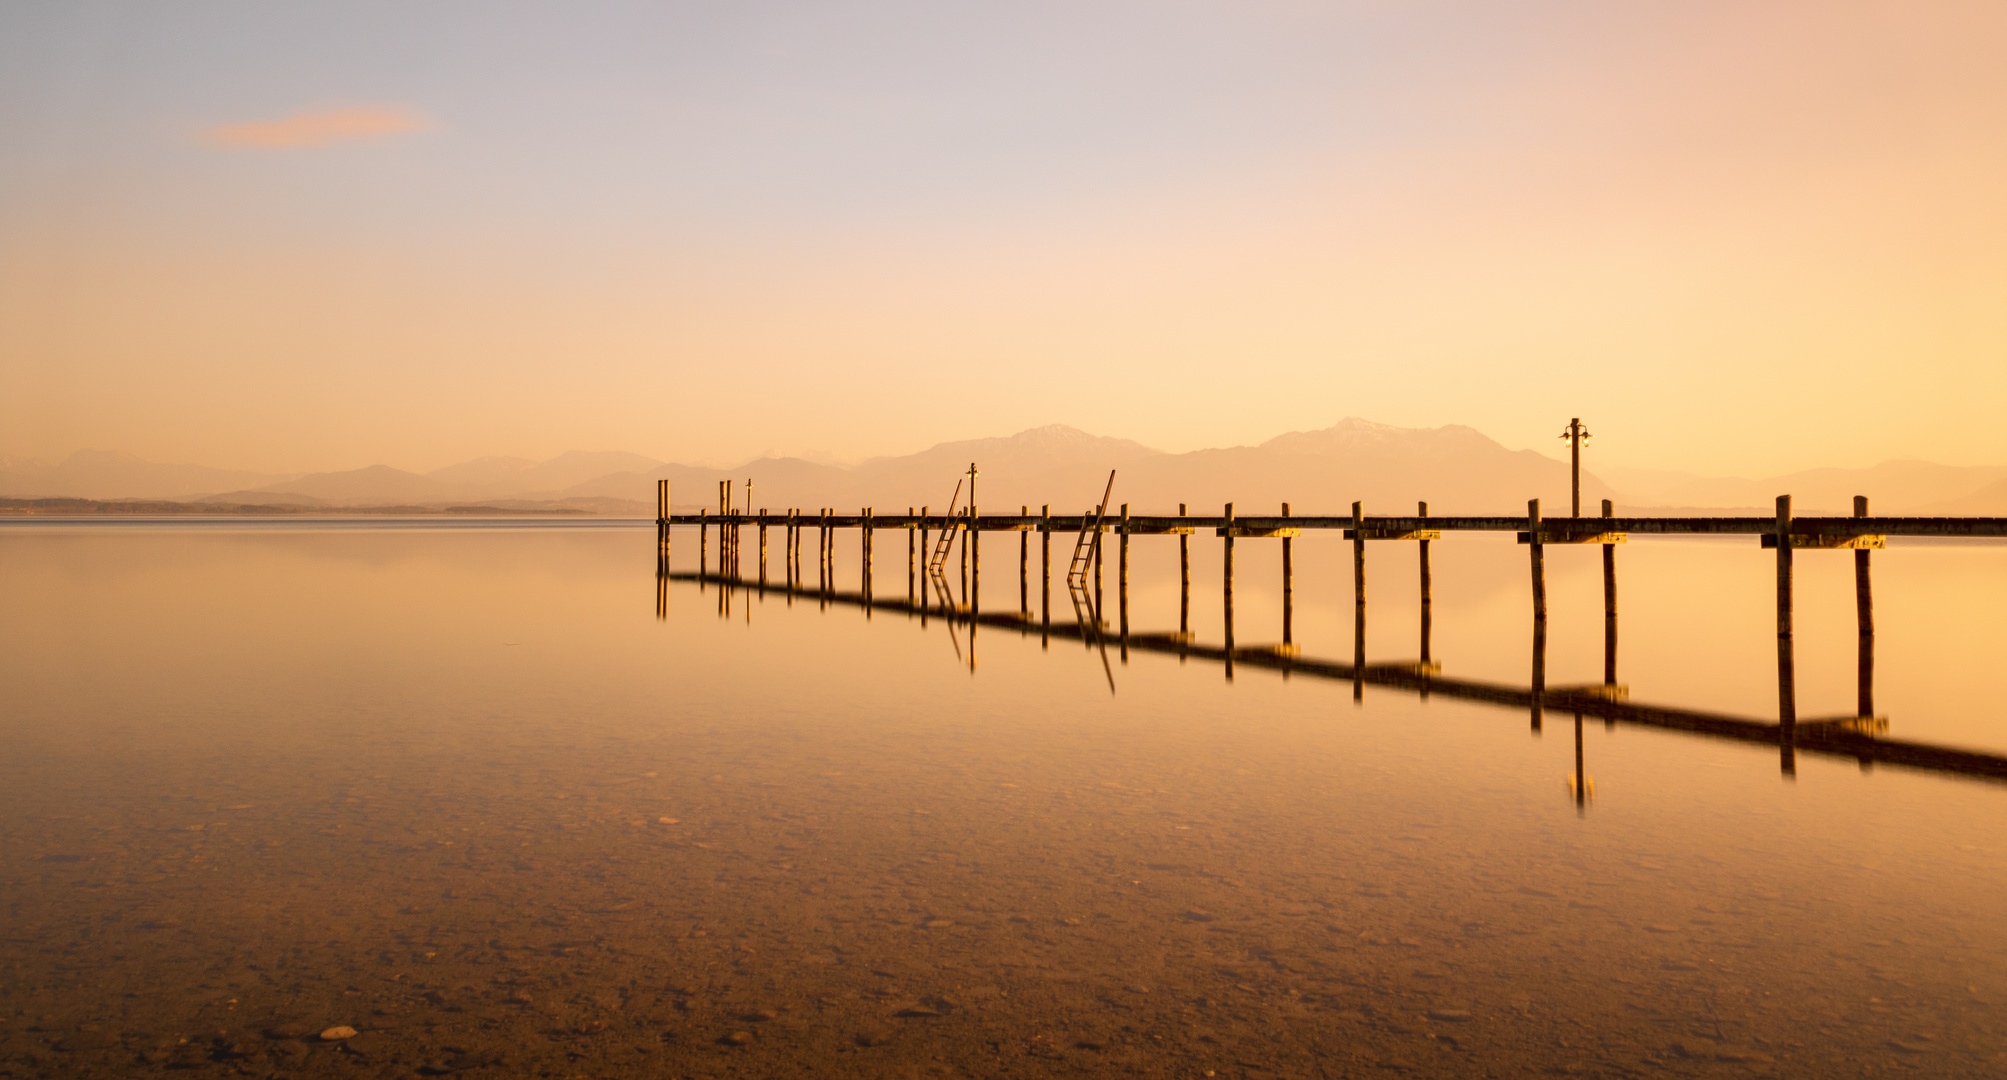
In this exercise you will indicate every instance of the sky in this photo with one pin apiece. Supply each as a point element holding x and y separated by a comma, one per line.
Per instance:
<point>1736,238</point>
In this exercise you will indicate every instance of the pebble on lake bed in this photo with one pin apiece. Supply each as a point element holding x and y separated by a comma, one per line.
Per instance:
<point>336,1034</point>
<point>738,1038</point>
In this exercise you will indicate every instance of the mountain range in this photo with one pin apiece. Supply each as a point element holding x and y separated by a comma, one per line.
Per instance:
<point>1456,469</point>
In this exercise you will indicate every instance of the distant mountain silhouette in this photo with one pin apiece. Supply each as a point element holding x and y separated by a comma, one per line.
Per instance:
<point>1989,501</point>
<point>1456,469</point>
<point>377,484</point>
<point>109,474</point>
<point>1892,487</point>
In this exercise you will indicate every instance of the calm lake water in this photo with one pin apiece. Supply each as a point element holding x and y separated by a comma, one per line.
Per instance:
<point>459,789</point>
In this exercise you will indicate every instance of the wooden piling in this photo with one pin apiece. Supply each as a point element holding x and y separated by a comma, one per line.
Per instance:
<point>1787,675</point>
<point>1288,589</point>
<point>1122,581</point>
<point>864,573</point>
<point>1358,601</point>
<point>974,545</point>
<point>703,544</point>
<point>1864,612</point>
<point>763,546</point>
<point>1609,602</point>
<point>1045,572</point>
<point>1428,586</point>
<point>926,559</point>
<point>1227,587</point>
<point>1024,566</point>
<point>910,532</point>
<point>662,522</point>
<point>1100,617</point>
<point>1184,579</point>
<point>1539,561</point>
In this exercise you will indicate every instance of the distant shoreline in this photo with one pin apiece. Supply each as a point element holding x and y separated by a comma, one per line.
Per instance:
<point>166,508</point>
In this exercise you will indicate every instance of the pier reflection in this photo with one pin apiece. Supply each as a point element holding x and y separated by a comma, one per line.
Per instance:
<point>1861,736</point>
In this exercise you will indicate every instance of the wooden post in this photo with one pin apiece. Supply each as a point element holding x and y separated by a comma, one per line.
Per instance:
<point>1609,602</point>
<point>1227,589</point>
<point>1428,586</point>
<point>1122,581</point>
<point>1864,612</point>
<point>1787,674</point>
<point>1184,580</point>
<point>1288,589</point>
<point>1358,601</point>
<point>1538,559</point>
<point>910,594</point>
<point>1100,610</point>
<point>1575,468</point>
<point>763,547</point>
<point>662,512</point>
<point>703,545</point>
<point>864,574</point>
<point>1024,567</point>
<point>1045,573</point>
<point>926,561</point>
<point>974,546</point>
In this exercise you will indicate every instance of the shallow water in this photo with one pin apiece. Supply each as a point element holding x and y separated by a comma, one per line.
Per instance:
<point>460,790</point>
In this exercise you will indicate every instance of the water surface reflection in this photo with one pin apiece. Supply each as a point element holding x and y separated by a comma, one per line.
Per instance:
<point>465,793</point>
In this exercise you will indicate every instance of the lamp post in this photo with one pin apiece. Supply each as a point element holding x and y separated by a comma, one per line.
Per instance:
<point>1575,435</point>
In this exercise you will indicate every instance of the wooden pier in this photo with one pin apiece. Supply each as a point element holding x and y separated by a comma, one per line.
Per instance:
<point>929,594</point>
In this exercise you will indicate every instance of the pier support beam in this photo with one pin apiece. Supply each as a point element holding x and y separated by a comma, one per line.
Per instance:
<point>1864,611</point>
<point>1288,589</point>
<point>1227,587</point>
<point>1122,582</point>
<point>1100,609</point>
<point>1428,588</point>
<point>1358,601</point>
<point>1787,674</point>
<point>926,564</point>
<point>763,547</point>
<point>1045,574</point>
<point>703,545</point>
<point>1024,566</point>
<point>1609,603</point>
<point>1184,580</point>
<point>910,531</point>
<point>864,549</point>
<point>1539,560</point>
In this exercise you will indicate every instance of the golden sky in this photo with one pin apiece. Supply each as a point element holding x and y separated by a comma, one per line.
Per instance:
<point>1736,237</point>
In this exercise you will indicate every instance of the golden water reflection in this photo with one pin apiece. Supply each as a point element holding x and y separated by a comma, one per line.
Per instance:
<point>464,792</point>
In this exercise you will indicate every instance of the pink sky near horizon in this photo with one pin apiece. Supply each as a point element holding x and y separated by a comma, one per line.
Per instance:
<point>1736,238</point>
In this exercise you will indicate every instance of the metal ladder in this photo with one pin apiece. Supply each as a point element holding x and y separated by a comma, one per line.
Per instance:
<point>939,559</point>
<point>1084,549</point>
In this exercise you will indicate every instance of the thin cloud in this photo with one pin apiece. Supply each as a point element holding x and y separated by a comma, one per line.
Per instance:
<point>319,128</point>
